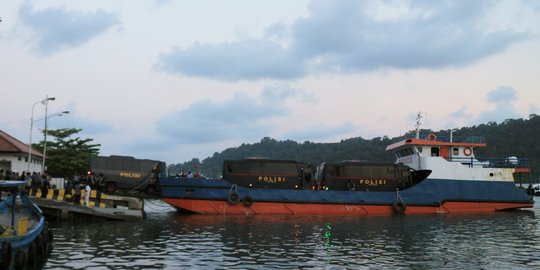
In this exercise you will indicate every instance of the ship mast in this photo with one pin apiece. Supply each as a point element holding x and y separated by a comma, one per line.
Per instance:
<point>418,123</point>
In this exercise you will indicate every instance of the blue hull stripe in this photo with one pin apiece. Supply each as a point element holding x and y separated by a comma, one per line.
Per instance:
<point>430,192</point>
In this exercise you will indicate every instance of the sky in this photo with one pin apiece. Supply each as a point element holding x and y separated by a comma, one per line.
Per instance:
<point>176,80</point>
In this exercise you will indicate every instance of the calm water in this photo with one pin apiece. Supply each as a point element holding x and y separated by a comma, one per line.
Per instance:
<point>166,240</point>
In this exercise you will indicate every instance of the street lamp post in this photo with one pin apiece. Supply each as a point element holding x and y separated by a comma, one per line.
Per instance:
<point>44,102</point>
<point>45,136</point>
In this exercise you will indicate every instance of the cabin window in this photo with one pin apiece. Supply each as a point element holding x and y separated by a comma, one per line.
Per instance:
<point>419,148</point>
<point>455,151</point>
<point>434,151</point>
<point>404,152</point>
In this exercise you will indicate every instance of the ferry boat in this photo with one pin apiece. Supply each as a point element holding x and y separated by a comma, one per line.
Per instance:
<point>429,176</point>
<point>25,240</point>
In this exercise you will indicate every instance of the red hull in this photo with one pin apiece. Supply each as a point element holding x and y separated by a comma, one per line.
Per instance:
<point>214,207</point>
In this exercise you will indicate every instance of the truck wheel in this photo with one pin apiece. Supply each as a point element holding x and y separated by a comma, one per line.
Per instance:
<point>111,187</point>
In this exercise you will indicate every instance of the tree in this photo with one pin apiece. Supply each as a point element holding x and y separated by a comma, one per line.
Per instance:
<point>68,155</point>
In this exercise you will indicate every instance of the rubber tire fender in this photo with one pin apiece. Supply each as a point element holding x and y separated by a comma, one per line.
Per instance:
<point>41,249</point>
<point>50,235</point>
<point>399,207</point>
<point>31,256</point>
<point>46,242</point>
<point>6,255</point>
<point>50,238</point>
<point>233,197</point>
<point>20,260</point>
<point>247,201</point>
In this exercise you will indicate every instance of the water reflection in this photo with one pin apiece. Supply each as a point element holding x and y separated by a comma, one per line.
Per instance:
<point>170,241</point>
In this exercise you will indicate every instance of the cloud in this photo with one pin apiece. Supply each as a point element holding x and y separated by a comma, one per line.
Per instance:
<point>353,36</point>
<point>72,119</point>
<point>502,97</point>
<point>459,117</point>
<point>241,117</point>
<point>503,94</point>
<point>435,35</point>
<point>460,114</point>
<point>253,59</point>
<point>533,109</point>
<point>88,126</point>
<point>56,29</point>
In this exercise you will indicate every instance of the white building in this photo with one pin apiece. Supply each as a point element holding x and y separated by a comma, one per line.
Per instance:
<point>14,155</point>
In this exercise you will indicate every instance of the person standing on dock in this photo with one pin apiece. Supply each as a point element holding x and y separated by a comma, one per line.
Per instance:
<point>77,196</point>
<point>28,179</point>
<point>87,189</point>
<point>42,185</point>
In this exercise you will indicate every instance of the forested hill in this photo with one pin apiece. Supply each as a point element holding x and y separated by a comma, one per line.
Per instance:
<point>513,137</point>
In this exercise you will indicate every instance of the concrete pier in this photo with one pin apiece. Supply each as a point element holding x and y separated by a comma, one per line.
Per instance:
<point>61,205</point>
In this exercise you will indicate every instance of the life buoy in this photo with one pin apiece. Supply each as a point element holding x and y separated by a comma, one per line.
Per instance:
<point>20,260</point>
<point>467,151</point>
<point>399,207</point>
<point>247,201</point>
<point>6,255</point>
<point>233,197</point>
<point>432,137</point>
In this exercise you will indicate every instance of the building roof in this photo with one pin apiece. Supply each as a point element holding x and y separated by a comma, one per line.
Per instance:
<point>9,144</point>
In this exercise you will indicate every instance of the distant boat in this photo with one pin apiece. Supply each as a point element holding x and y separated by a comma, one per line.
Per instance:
<point>429,176</point>
<point>25,240</point>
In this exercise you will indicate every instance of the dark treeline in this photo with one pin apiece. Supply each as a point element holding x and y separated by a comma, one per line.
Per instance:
<point>512,137</point>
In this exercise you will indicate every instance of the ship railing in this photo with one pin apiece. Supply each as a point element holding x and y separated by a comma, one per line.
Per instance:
<point>509,162</point>
<point>446,138</point>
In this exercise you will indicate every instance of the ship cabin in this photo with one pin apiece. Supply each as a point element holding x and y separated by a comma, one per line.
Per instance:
<point>268,173</point>
<point>456,159</point>
<point>364,176</point>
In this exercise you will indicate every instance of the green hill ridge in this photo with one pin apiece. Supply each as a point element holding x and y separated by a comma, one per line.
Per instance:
<point>512,137</point>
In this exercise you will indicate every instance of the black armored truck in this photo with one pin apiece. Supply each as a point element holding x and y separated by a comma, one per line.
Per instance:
<point>126,173</point>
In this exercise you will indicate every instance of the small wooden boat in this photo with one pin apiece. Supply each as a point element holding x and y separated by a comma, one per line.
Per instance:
<point>25,240</point>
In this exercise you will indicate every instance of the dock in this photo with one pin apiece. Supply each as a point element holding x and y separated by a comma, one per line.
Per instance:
<point>59,204</point>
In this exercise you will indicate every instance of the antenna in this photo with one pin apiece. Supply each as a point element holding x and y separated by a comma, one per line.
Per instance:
<point>418,123</point>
